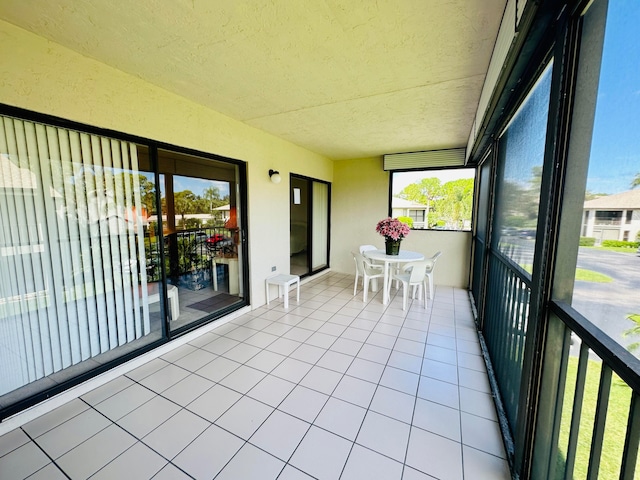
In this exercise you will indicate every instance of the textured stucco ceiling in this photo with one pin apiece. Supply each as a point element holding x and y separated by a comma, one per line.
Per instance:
<point>344,78</point>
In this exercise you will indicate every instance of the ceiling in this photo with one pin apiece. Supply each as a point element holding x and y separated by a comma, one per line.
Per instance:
<point>343,78</point>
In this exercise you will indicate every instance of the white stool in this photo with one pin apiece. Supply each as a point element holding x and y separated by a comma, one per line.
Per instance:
<point>153,296</point>
<point>284,282</point>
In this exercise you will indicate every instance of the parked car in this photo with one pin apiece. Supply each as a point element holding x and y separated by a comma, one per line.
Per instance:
<point>216,238</point>
<point>528,234</point>
<point>197,236</point>
<point>509,231</point>
<point>218,243</point>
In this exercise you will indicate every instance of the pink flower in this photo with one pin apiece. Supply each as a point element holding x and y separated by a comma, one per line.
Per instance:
<point>392,228</point>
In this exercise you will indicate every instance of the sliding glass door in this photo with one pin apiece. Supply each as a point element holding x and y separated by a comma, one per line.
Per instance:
<point>107,248</point>
<point>309,233</point>
<point>74,286</point>
<point>201,236</point>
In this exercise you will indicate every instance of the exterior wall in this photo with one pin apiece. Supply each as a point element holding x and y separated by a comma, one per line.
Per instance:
<point>405,212</point>
<point>358,204</point>
<point>45,77</point>
<point>612,232</point>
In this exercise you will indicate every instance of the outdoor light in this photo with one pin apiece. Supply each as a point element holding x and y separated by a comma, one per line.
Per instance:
<point>275,176</point>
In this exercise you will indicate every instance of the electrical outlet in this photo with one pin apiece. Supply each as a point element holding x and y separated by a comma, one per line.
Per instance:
<point>273,269</point>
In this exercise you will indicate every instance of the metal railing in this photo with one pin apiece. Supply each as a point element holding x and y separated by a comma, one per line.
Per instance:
<point>188,251</point>
<point>597,414</point>
<point>608,221</point>
<point>504,329</point>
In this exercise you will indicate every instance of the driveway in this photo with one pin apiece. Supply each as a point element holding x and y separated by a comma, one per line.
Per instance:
<point>608,304</point>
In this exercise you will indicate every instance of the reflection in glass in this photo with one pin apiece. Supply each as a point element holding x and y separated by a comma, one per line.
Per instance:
<point>200,230</point>
<point>73,253</point>
<point>520,157</point>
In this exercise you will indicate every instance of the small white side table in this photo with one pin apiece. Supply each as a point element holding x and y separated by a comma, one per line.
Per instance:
<point>284,282</point>
<point>234,279</point>
<point>153,292</point>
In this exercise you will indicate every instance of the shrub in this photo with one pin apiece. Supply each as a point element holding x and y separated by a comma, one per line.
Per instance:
<point>587,241</point>
<point>407,220</point>
<point>619,243</point>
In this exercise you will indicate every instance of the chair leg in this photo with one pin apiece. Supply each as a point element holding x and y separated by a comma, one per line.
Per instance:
<point>355,284</point>
<point>430,277</point>
<point>365,287</point>
<point>405,294</point>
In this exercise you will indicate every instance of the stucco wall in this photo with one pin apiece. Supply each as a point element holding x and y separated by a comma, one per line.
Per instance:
<point>45,77</point>
<point>361,198</point>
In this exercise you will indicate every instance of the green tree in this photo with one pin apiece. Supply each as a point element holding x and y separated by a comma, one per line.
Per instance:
<point>184,202</point>
<point>455,203</point>
<point>636,181</point>
<point>424,192</point>
<point>212,196</point>
<point>147,193</point>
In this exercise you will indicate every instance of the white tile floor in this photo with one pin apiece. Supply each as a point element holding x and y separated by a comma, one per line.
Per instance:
<point>331,389</point>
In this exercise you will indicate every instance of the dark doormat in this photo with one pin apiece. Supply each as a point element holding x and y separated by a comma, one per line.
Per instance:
<point>215,303</point>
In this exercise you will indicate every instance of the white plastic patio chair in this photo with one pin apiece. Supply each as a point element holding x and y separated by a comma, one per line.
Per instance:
<point>367,271</point>
<point>429,272</point>
<point>365,248</point>
<point>412,274</point>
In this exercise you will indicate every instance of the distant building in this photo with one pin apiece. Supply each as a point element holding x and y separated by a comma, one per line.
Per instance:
<point>612,217</point>
<point>406,208</point>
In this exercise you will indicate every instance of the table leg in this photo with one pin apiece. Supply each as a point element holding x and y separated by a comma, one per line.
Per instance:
<point>385,290</point>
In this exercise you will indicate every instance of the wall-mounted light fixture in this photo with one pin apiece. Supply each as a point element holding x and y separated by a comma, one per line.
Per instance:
<point>275,176</point>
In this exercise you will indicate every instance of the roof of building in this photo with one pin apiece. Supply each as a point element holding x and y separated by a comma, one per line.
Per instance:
<point>629,200</point>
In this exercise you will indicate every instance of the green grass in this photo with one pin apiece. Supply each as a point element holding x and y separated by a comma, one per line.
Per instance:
<point>591,276</point>
<point>615,429</point>
<point>615,249</point>
<point>583,275</point>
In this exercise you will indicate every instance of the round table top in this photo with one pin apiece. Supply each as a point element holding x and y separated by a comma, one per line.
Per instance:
<point>403,256</point>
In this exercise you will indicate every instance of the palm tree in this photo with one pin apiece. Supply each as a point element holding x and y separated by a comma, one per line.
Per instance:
<point>636,181</point>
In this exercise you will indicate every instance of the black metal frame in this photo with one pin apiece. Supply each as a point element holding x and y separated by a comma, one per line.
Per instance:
<point>310,180</point>
<point>456,167</point>
<point>548,29</point>
<point>167,335</point>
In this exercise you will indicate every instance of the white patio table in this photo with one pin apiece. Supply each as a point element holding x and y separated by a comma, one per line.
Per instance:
<point>403,256</point>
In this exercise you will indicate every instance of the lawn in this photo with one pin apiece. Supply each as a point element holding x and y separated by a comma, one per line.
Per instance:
<point>632,250</point>
<point>591,276</point>
<point>582,274</point>
<point>615,429</point>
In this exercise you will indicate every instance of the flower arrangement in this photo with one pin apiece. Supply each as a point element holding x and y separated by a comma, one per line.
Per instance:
<point>392,229</point>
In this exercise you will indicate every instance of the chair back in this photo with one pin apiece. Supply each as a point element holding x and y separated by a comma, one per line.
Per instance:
<point>366,248</point>
<point>417,270</point>
<point>364,265</point>
<point>359,264</point>
<point>431,262</point>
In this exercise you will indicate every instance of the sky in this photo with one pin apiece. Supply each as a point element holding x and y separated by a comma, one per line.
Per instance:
<point>198,185</point>
<point>615,149</point>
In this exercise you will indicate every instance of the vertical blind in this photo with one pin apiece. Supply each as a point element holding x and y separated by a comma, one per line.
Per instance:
<point>73,279</point>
